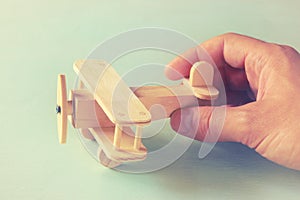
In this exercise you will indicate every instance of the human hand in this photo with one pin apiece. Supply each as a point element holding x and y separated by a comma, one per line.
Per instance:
<point>267,73</point>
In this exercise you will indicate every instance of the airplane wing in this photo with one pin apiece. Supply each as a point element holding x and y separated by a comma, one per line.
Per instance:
<point>126,152</point>
<point>113,95</point>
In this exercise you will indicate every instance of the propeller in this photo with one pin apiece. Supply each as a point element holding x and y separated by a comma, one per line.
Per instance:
<point>63,108</point>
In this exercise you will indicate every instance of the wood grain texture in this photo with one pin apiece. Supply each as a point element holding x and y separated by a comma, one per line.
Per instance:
<point>118,136</point>
<point>201,81</point>
<point>108,106</point>
<point>126,152</point>
<point>111,93</point>
<point>168,98</point>
<point>62,109</point>
<point>138,138</point>
<point>87,112</point>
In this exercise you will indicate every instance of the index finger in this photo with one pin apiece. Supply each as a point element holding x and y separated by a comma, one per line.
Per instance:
<point>229,49</point>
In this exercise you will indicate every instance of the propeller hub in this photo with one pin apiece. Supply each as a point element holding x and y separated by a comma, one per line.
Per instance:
<point>58,109</point>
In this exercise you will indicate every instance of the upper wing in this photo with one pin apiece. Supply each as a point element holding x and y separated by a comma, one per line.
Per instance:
<point>116,99</point>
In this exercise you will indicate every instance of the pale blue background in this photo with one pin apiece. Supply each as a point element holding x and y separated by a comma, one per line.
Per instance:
<point>40,39</point>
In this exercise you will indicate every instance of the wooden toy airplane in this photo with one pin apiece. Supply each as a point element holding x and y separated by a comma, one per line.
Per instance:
<point>104,108</point>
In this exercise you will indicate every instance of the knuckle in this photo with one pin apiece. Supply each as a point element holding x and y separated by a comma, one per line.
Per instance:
<point>280,55</point>
<point>287,49</point>
<point>227,36</point>
<point>281,50</point>
<point>230,34</point>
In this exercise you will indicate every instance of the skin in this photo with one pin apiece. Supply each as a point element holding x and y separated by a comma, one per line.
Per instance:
<point>262,82</point>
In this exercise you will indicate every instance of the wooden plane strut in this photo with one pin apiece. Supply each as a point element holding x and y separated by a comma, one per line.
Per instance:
<point>105,108</point>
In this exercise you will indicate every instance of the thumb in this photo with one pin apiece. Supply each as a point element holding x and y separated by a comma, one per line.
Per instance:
<point>212,124</point>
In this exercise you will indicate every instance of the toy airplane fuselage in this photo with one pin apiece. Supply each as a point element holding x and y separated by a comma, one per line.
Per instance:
<point>104,108</point>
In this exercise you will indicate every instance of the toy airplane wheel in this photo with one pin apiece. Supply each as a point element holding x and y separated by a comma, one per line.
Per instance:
<point>104,160</point>
<point>63,108</point>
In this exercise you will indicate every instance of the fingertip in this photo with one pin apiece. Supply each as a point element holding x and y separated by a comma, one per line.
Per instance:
<point>178,68</point>
<point>172,73</point>
<point>175,120</point>
<point>182,121</point>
